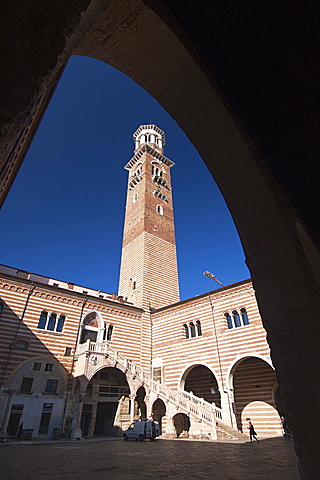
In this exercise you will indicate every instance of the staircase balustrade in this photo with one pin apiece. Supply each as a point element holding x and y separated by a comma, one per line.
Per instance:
<point>193,405</point>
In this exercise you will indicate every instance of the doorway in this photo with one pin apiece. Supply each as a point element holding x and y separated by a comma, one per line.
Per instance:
<point>15,420</point>
<point>106,412</point>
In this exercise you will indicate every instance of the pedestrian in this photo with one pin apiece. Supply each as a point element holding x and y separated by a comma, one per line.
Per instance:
<point>252,432</point>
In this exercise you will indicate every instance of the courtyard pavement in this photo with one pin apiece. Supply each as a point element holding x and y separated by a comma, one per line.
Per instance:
<point>115,459</point>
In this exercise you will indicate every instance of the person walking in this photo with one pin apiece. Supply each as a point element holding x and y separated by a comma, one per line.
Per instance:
<point>252,432</point>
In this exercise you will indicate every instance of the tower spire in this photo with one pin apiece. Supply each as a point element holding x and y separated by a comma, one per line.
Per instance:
<point>148,274</point>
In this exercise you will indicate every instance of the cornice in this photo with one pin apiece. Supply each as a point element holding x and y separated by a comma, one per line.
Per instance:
<point>70,298</point>
<point>147,149</point>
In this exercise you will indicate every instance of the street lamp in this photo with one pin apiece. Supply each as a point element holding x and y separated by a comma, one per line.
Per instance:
<point>212,277</point>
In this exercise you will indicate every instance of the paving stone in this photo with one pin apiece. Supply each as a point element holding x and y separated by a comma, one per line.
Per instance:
<point>271,459</point>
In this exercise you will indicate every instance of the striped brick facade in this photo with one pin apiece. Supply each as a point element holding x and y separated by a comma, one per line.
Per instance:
<point>97,363</point>
<point>238,358</point>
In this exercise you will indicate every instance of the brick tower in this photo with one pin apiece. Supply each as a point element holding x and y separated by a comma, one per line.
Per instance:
<point>149,275</point>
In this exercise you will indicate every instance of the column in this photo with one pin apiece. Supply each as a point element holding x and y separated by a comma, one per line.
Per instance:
<point>132,398</point>
<point>6,415</point>
<point>77,430</point>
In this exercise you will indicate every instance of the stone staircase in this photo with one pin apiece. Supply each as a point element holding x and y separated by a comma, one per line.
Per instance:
<point>198,410</point>
<point>224,432</point>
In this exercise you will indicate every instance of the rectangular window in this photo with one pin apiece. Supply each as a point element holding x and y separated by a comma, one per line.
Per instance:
<point>157,374</point>
<point>36,366</point>
<point>26,385</point>
<point>51,386</point>
<point>67,352</point>
<point>45,418</point>
<point>48,367</point>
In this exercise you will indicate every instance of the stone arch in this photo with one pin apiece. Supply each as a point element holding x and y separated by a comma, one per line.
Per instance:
<point>201,380</point>
<point>14,378</point>
<point>252,380</point>
<point>239,359</point>
<point>159,410</point>
<point>272,252</point>
<point>91,327</point>
<point>264,417</point>
<point>181,423</point>
<point>106,402</point>
<point>39,397</point>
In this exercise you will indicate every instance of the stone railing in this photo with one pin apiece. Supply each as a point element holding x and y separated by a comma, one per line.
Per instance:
<point>182,399</point>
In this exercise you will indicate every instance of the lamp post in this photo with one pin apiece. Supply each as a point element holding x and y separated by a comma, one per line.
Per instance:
<point>212,277</point>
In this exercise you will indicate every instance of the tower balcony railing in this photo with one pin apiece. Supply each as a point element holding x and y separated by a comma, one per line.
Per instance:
<point>180,398</point>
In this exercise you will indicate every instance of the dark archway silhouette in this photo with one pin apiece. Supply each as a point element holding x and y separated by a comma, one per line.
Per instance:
<point>181,423</point>
<point>158,411</point>
<point>253,122</point>
<point>105,391</point>
<point>202,382</point>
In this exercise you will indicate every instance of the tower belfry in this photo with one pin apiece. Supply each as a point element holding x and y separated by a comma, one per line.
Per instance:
<point>148,274</point>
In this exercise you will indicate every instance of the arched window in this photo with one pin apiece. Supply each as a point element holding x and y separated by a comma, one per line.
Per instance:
<point>186,330</point>
<point>160,209</point>
<point>90,328</point>
<point>156,171</point>
<point>52,322</point>
<point>109,334</point>
<point>244,316</point>
<point>192,330</point>
<point>236,318</point>
<point>60,323</point>
<point>43,320</point>
<point>198,325</point>
<point>229,320</point>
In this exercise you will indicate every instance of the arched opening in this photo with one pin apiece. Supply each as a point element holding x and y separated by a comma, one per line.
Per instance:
<point>181,423</point>
<point>89,328</point>
<point>40,386</point>
<point>201,381</point>
<point>106,405</point>
<point>158,411</point>
<point>265,230</point>
<point>253,384</point>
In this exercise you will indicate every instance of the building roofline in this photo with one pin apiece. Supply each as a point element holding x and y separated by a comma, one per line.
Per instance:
<point>202,295</point>
<point>39,281</point>
<point>150,126</point>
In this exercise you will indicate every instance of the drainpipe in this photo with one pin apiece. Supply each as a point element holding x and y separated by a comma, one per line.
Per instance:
<point>73,362</point>
<point>219,359</point>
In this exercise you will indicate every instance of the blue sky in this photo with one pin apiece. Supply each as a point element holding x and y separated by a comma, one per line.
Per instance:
<point>63,217</point>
